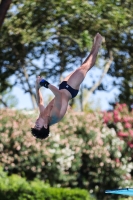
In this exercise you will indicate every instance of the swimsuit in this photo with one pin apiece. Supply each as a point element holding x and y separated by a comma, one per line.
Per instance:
<point>72,91</point>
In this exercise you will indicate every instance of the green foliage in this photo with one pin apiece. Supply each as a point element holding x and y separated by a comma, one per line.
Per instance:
<point>61,35</point>
<point>9,99</point>
<point>16,187</point>
<point>126,198</point>
<point>82,151</point>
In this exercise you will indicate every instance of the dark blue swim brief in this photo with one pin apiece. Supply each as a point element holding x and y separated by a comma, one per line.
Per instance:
<point>72,91</point>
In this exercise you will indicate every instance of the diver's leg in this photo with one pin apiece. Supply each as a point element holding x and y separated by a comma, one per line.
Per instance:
<point>77,77</point>
<point>67,77</point>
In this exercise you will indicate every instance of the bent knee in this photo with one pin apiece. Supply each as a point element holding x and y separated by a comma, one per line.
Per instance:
<point>83,69</point>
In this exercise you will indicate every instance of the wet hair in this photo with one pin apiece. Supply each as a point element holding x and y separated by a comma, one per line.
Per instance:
<point>41,134</point>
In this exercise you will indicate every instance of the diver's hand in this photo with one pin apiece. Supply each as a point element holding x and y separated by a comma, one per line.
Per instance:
<point>38,80</point>
<point>44,83</point>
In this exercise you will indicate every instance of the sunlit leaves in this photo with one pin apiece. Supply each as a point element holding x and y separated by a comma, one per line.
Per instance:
<point>33,24</point>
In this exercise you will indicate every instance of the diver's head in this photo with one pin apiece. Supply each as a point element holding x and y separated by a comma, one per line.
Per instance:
<point>40,130</point>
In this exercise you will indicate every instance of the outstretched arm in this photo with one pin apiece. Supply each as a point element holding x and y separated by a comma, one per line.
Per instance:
<point>39,99</point>
<point>54,90</point>
<point>42,82</point>
<point>57,93</point>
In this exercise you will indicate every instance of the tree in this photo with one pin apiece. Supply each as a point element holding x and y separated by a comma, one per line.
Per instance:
<point>4,6</point>
<point>7,99</point>
<point>62,33</point>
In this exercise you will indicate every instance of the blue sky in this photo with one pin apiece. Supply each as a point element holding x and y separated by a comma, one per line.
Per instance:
<point>99,99</point>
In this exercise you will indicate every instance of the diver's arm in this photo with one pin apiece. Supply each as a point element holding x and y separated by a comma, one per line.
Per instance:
<point>39,98</point>
<point>56,92</point>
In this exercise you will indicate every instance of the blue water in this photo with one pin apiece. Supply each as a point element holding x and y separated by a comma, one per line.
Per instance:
<point>123,191</point>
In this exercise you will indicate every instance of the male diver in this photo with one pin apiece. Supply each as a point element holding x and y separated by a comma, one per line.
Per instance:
<point>68,89</point>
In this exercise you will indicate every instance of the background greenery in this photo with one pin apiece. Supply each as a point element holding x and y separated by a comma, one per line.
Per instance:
<point>85,150</point>
<point>15,187</point>
<point>60,33</point>
<point>89,150</point>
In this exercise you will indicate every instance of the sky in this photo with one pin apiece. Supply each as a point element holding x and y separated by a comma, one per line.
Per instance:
<point>99,99</point>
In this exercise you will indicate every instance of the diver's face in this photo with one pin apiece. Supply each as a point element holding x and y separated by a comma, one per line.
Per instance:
<point>39,123</point>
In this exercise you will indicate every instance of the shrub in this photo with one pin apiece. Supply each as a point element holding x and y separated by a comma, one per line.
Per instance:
<point>121,119</point>
<point>82,151</point>
<point>15,187</point>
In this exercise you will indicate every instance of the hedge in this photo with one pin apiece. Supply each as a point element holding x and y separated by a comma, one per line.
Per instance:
<point>17,188</point>
<point>83,150</point>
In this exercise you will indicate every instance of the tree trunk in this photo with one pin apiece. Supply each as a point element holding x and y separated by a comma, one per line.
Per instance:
<point>29,87</point>
<point>95,86</point>
<point>81,98</point>
<point>4,6</point>
<point>81,88</point>
<point>4,103</point>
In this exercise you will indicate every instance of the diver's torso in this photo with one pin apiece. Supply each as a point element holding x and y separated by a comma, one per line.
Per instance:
<point>57,114</point>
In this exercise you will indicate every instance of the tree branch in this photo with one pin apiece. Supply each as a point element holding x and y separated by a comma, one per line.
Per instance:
<point>33,99</point>
<point>65,37</point>
<point>4,103</point>
<point>95,86</point>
